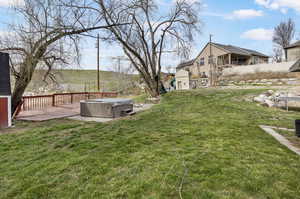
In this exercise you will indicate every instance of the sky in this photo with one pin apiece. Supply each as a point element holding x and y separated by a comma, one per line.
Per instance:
<point>244,23</point>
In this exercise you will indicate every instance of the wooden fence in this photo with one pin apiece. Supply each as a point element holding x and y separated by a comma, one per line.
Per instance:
<point>43,101</point>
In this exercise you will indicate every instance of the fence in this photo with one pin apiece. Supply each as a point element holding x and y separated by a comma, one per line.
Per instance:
<point>44,101</point>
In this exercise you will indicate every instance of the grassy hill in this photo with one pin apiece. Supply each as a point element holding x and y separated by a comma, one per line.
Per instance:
<point>195,144</point>
<point>80,81</point>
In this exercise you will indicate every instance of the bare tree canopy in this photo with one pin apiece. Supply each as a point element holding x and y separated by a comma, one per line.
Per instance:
<point>150,33</point>
<point>284,33</point>
<point>47,35</point>
<point>277,57</point>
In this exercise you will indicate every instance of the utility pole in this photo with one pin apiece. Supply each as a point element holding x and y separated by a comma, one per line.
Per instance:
<point>210,61</point>
<point>98,62</point>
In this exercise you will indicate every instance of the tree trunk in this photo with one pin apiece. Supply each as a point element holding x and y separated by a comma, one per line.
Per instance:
<point>152,87</point>
<point>19,89</point>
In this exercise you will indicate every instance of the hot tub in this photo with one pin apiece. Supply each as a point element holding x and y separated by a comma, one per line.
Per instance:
<point>106,108</point>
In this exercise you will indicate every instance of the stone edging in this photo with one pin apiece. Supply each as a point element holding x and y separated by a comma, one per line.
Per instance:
<point>280,138</point>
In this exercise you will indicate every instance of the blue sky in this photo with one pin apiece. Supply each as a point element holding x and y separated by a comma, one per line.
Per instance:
<point>245,23</point>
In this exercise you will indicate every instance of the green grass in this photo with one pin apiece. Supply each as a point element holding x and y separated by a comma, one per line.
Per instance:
<point>140,98</point>
<point>200,144</point>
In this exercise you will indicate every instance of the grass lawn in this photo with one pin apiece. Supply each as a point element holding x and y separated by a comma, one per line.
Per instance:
<point>195,144</point>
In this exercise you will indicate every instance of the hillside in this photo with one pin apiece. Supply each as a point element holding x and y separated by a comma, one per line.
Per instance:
<point>80,81</point>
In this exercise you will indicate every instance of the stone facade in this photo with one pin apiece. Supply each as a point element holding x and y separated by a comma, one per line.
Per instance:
<point>293,54</point>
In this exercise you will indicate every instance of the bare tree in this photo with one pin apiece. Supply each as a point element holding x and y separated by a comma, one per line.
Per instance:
<point>47,36</point>
<point>283,34</point>
<point>149,32</point>
<point>277,57</point>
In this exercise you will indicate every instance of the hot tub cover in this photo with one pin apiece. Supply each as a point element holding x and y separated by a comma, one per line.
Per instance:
<point>112,101</point>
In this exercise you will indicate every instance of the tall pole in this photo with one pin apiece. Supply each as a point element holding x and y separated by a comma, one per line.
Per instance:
<point>98,62</point>
<point>210,61</point>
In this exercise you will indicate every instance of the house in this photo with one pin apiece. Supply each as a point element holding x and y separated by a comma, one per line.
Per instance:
<point>293,51</point>
<point>182,80</point>
<point>223,56</point>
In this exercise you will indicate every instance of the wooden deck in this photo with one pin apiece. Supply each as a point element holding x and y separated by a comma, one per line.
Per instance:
<point>55,106</point>
<point>50,113</point>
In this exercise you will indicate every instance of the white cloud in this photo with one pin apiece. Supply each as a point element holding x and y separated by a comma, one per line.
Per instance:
<point>281,5</point>
<point>237,14</point>
<point>263,2</point>
<point>7,3</point>
<point>245,14</point>
<point>258,34</point>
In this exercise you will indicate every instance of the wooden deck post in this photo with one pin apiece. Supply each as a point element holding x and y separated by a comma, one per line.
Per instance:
<point>53,100</point>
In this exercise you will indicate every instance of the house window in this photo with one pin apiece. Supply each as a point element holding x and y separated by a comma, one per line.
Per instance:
<point>202,61</point>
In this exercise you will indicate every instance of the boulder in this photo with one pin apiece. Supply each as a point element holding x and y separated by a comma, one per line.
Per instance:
<point>259,99</point>
<point>277,94</point>
<point>268,103</point>
<point>275,80</point>
<point>263,96</point>
<point>272,98</point>
<point>269,92</point>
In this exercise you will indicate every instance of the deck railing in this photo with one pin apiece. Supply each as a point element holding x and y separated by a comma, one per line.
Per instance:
<point>43,101</point>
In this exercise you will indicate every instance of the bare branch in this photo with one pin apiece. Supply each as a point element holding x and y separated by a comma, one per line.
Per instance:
<point>284,33</point>
<point>150,32</point>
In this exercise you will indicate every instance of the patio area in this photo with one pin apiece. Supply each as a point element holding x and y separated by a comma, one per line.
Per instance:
<point>61,111</point>
<point>70,111</point>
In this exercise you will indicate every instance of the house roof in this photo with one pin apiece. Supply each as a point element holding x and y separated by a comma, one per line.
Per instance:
<point>184,64</point>
<point>239,50</point>
<point>296,44</point>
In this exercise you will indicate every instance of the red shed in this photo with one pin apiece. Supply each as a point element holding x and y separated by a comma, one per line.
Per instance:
<point>5,91</point>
